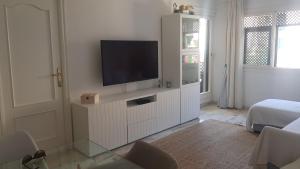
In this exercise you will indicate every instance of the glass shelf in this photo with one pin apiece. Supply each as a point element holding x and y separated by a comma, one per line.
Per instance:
<point>190,69</point>
<point>190,33</point>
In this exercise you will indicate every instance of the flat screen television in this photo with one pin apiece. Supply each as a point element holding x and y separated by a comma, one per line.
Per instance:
<point>128,61</point>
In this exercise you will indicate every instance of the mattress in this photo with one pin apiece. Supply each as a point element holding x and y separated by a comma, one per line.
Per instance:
<point>272,112</point>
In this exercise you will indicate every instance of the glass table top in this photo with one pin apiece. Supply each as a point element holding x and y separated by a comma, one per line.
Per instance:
<point>82,154</point>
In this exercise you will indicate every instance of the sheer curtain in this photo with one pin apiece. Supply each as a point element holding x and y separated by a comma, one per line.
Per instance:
<point>232,87</point>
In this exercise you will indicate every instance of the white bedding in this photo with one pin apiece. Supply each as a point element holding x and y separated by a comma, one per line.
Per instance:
<point>277,146</point>
<point>273,112</point>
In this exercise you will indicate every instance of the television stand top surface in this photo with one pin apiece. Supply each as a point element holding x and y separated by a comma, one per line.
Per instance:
<point>134,94</point>
<point>127,96</point>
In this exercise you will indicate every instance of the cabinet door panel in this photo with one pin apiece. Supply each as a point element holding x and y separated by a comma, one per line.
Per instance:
<point>190,103</point>
<point>190,33</point>
<point>169,109</point>
<point>108,125</point>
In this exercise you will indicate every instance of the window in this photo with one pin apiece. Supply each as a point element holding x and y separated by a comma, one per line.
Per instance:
<point>288,39</point>
<point>257,46</point>
<point>258,32</point>
<point>259,39</point>
<point>288,51</point>
<point>204,55</point>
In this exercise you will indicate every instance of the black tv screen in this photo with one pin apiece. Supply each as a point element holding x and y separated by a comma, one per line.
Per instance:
<point>128,61</point>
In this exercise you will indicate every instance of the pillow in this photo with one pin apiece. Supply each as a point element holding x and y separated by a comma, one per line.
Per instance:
<point>293,165</point>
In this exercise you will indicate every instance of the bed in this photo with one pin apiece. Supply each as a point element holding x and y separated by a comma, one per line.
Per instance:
<point>272,112</point>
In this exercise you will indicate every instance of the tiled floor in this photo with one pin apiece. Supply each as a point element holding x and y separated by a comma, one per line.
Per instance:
<point>227,115</point>
<point>208,112</point>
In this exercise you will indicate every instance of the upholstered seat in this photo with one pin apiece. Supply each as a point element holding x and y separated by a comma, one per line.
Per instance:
<point>16,146</point>
<point>150,157</point>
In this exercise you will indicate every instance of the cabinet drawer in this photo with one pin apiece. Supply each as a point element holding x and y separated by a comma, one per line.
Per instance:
<point>142,112</point>
<point>142,129</point>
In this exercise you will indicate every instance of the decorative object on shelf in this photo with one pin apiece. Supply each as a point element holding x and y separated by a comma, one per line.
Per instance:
<point>159,83</point>
<point>169,84</point>
<point>90,98</point>
<point>175,8</point>
<point>190,59</point>
<point>190,9</point>
<point>186,9</point>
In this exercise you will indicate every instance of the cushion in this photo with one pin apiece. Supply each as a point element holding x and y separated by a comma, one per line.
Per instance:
<point>293,127</point>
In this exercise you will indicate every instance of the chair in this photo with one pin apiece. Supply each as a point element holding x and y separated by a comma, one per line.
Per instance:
<point>277,146</point>
<point>150,157</point>
<point>16,146</point>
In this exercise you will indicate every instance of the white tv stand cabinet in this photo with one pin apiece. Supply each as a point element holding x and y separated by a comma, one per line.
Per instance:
<point>123,118</point>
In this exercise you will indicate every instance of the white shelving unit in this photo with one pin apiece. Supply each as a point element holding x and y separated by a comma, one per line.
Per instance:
<point>119,119</point>
<point>181,58</point>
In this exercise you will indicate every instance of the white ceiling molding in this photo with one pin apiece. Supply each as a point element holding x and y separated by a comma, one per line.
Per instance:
<point>269,6</point>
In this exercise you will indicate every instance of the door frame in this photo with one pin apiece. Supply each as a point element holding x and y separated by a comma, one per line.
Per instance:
<point>64,66</point>
<point>1,109</point>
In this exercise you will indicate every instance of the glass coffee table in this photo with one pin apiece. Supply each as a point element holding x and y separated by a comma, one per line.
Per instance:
<point>83,154</point>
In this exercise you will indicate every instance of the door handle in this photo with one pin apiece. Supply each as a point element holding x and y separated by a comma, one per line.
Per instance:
<point>59,77</point>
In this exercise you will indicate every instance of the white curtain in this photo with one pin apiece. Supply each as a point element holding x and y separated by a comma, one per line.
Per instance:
<point>232,89</point>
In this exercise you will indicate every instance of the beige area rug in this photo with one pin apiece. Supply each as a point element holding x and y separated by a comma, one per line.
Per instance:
<point>210,145</point>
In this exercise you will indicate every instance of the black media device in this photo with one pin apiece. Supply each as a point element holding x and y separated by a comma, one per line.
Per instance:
<point>142,101</point>
<point>128,61</point>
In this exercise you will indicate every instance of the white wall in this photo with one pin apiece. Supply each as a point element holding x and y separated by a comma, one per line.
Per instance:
<point>218,48</point>
<point>265,83</point>
<point>89,21</point>
<point>259,83</point>
<point>1,109</point>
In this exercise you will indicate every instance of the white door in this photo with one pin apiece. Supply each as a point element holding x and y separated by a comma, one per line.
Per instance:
<point>29,61</point>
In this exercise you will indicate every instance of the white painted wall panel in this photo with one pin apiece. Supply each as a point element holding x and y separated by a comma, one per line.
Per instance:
<point>31,123</point>
<point>29,28</point>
